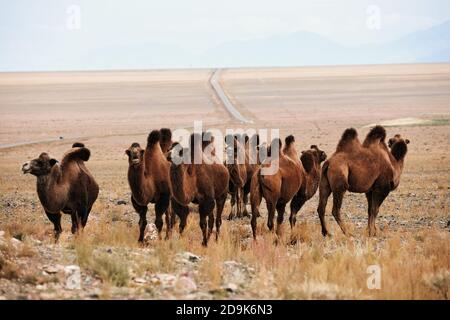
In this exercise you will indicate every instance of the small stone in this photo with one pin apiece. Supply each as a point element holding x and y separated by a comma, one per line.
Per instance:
<point>140,280</point>
<point>73,277</point>
<point>165,280</point>
<point>121,202</point>
<point>230,287</point>
<point>16,243</point>
<point>185,285</point>
<point>52,269</point>
<point>189,257</point>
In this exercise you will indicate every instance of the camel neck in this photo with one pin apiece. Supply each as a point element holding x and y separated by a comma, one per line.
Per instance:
<point>136,179</point>
<point>46,187</point>
<point>152,154</point>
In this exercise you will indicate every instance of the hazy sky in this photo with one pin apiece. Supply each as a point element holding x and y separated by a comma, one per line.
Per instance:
<point>197,25</point>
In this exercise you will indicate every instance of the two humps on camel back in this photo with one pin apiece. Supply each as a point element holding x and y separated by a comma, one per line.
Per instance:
<point>66,187</point>
<point>295,181</point>
<point>372,167</point>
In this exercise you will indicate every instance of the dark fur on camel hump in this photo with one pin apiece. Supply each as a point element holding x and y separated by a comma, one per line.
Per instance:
<point>153,138</point>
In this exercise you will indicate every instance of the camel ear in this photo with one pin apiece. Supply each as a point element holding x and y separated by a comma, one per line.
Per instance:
<point>313,146</point>
<point>407,141</point>
<point>127,152</point>
<point>390,142</point>
<point>142,152</point>
<point>53,162</point>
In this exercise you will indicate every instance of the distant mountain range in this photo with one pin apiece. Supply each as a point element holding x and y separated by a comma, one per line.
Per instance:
<point>297,49</point>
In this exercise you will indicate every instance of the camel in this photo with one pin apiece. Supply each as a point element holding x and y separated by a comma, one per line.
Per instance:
<point>205,184</point>
<point>369,168</point>
<point>277,189</point>
<point>66,187</point>
<point>238,174</point>
<point>311,160</point>
<point>148,177</point>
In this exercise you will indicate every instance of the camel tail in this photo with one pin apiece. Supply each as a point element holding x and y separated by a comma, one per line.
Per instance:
<point>153,138</point>
<point>376,133</point>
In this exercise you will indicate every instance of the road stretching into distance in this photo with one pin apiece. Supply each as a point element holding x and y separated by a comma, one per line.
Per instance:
<point>215,83</point>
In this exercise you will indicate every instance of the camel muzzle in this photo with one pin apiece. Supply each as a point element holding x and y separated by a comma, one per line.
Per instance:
<point>26,168</point>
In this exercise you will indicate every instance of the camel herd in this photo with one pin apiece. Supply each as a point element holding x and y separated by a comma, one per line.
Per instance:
<point>371,167</point>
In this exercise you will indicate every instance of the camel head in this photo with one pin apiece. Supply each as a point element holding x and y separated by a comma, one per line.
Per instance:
<point>135,154</point>
<point>398,146</point>
<point>40,166</point>
<point>321,155</point>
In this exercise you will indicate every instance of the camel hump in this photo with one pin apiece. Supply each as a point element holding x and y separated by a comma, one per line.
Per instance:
<point>165,135</point>
<point>307,159</point>
<point>76,154</point>
<point>376,133</point>
<point>153,138</point>
<point>78,145</point>
<point>348,136</point>
<point>289,139</point>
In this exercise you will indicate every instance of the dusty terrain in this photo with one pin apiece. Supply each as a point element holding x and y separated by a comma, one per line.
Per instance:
<point>108,111</point>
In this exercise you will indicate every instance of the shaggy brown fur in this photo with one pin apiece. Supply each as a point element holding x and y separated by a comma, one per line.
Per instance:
<point>311,160</point>
<point>369,168</point>
<point>205,184</point>
<point>68,187</point>
<point>277,189</point>
<point>238,175</point>
<point>148,177</point>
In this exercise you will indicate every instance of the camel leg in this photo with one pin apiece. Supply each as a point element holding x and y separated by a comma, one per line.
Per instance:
<point>219,207</point>
<point>281,207</point>
<point>210,223</point>
<point>255,201</point>
<point>85,219</point>
<point>161,208</point>
<point>378,197</point>
<point>296,204</point>
<point>182,212</point>
<point>169,222</point>
<point>369,208</point>
<point>233,203</point>
<point>239,202</point>
<point>245,199</point>
<point>76,222</point>
<point>142,211</point>
<point>56,220</point>
<point>205,208</point>
<point>324,194</point>
<point>337,204</point>
<point>270,214</point>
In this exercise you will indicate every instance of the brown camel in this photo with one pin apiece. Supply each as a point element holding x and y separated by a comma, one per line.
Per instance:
<point>277,189</point>
<point>67,187</point>
<point>237,172</point>
<point>205,184</point>
<point>311,160</point>
<point>148,177</point>
<point>369,168</point>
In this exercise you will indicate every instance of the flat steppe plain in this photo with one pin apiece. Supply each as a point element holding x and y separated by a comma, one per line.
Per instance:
<point>109,110</point>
